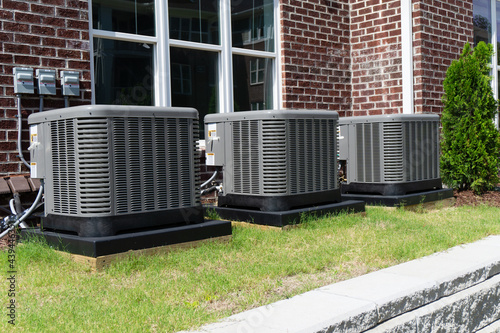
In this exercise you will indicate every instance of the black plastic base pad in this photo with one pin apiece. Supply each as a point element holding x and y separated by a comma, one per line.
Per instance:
<point>100,246</point>
<point>284,218</point>
<point>279,203</point>
<point>101,226</point>
<point>401,200</point>
<point>393,189</point>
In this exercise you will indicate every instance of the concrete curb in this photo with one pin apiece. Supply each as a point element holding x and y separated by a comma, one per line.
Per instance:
<point>453,291</point>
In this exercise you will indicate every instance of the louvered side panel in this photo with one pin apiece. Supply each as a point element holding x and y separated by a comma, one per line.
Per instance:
<point>274,157</point>
<point>172,167</point>
<point>196,155</point>
<point>160,164</point>
<point>153,159</point>
<point>421,150</point>
<point>121,165</point>
<point>393,152</point>
<point>184,163</point>
<point>311,155</point>
<point>94,168</point>
<point>64,169</point>
<point>246,153</point>
<point>296,156</point>
<point>368,152</point>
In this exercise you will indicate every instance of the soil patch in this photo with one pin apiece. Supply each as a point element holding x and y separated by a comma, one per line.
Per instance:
<point>468,198</point>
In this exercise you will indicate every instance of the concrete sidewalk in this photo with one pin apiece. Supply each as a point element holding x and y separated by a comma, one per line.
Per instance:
<point>453,291</point>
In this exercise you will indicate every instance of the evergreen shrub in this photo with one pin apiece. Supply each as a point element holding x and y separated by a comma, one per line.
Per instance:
<point>470,145</point>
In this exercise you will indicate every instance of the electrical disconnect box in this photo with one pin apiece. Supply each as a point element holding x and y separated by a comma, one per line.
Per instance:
<point>23,81</point>
<point>110,168</point>
<point>274,160</point>
<point>389,154</point>
<point>70,82</point>
<point>46,81</point>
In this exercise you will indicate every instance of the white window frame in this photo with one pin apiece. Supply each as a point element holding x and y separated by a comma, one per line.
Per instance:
<point>161,44</point>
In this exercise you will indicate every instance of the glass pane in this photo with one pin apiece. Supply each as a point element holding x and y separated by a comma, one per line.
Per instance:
<point>131,16</point>
<point>194,20</point>
<point>197,85</point>
<point>482,21</point>
<point>123,72</point>
<point>252,87</point>
<point>252,23</point>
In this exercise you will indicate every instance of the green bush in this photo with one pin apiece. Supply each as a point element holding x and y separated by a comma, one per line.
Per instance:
<point>471,144</point>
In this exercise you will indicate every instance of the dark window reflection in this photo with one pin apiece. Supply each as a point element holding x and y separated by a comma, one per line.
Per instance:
<point>123,72</point>
<point>252,83</point>
<point>482,21</point>
<point>130,16</point>
<point>194,81</point>
<point>194,20</point>
<point>252,23</point>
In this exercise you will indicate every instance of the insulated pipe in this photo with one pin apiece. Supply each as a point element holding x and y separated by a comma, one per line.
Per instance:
<point>18,207</point>
<point>19,131</point>
<point>209,180</point>
<point>25,214</point>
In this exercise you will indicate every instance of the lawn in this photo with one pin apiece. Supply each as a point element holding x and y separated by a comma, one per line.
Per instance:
<point>188,288</point>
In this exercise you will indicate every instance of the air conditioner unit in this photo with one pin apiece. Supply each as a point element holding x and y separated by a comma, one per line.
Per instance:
<point>389,154</point>
<point>111,169</point>
<point>274,160</point>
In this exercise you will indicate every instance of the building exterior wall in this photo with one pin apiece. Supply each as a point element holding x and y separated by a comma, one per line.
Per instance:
<point>342,55</point>
<point>315,53</point>
<point>441,28</point>
<point>45,34</point>
<point>377,86</point>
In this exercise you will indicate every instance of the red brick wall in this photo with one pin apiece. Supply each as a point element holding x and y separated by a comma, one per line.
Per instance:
<point>315,55</point>
<point>441,29</point>
<point>50,34</point>
<point>376,57</point>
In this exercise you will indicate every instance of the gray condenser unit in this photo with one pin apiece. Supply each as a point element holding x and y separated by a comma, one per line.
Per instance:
<point>389,154</point>
<point>112,169</point>
<point>274,160</point>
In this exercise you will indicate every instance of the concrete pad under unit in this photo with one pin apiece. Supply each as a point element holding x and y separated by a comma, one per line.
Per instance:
<point>455,290</point>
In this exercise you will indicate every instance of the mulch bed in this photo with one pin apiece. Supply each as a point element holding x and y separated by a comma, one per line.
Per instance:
<point>468,198</point>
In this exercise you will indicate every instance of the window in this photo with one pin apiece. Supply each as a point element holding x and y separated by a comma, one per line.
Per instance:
<point>487,28</point>
<point>216,56</point>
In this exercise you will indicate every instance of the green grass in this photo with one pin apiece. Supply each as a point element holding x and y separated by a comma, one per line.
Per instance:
<point>187,288</point>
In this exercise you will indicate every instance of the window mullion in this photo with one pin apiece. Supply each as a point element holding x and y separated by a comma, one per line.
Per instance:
<point>226,72</point>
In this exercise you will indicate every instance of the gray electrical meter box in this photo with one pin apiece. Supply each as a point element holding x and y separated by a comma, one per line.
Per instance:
<point>46,81</point>
<point>70,82</point>
<point>23,81</point>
